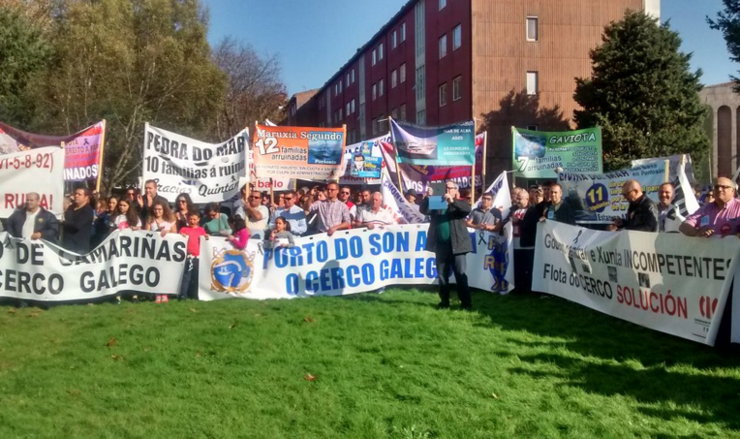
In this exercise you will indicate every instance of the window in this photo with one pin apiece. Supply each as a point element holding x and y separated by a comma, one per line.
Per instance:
<point>380,88</point>
<point>353,76</point>
<point>340,86</point>
<point>532,127</point>
<point>375,56</point>
<point>532,83</point>
<point>442,4</point>
<point>346,80</point>
<point>353,106</point>
<point>375,91</point>
<point>457,37</point>
<point>443,46</point>
<point>421,117</point>
<point>394,39</point>
<point>402,73</point>
<point>457,88</point>
<point>340,114</point>
<point>347,108</point>
<point>532,30</point>
<point>403,31</point>
<point>394,78</point>
<point>394,113</point>
<point>402,112</point>
<point>336,90</point>
<point>443,95</point>
<point>380,51</point>
<point>375,126</point>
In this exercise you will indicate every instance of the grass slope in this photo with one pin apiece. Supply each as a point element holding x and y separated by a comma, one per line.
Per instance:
<point>369,366</point>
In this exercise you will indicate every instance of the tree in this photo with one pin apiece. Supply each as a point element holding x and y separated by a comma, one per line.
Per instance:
<point>23,53</point>
<point>255,91</point>
<point>728,22</point>
<point>642,93</point>
<point>131,62</point>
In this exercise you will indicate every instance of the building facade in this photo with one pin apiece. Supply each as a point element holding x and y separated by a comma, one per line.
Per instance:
<point>501,62</point>
<point>724,110</point>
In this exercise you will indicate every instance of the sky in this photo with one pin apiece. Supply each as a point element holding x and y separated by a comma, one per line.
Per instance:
<point>314,38</point>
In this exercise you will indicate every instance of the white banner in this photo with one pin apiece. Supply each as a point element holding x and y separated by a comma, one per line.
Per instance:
<point>675,162</point>
<point>126,261</point>
<point>403,212</point>
<point>666,282</point>
<point>209,172</point>
<point>348,262</point>
<point>35,170</point>
<point>499,189</point>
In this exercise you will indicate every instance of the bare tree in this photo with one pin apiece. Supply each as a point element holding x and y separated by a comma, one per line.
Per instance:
<point>255,91</point>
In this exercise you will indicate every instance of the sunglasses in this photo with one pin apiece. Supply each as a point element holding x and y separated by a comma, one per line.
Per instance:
<point>288,198</point>
<point>722,187</point>
<point>255,197</point>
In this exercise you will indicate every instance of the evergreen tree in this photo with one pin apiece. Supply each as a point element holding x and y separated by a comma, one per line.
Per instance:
<point>728,22</point>
<point>642,94</point>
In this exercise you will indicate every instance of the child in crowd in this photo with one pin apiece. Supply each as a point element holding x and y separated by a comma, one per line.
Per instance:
<point>161,221</point>
<point>280,236</point>
<point>240,237</point>
<point>189,286</point>
<point>127,217</point>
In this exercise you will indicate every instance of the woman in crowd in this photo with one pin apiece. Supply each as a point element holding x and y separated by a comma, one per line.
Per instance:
<point>104,222</point>
<point>161,221</point>
<point>214,222</point>
<point>280,236</point>
<point>128,217</point>
<point>240,237</point>
<point>183,205</point>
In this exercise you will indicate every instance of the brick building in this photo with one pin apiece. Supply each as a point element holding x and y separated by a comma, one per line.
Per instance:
<point>502,62</point>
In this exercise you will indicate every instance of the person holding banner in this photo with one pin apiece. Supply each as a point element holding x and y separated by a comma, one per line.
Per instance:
<point>484,217</point>
<point>183,205</point>
<point>77,226</point>
<point>449,240</point>
<point>189,285</point>
<point>642,213</point>
<point>344,196</point>
<point>557,209</point>
<point>292,213</point>
<point>721,217</point>
<point>127,218</point>
<point>375,215</point>
<point>33,221</point>
<point>332,214</point>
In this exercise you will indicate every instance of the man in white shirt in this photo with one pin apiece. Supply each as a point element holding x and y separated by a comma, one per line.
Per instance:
<point>295,215</point>
<point>256,214</point>
<point>375,215</point>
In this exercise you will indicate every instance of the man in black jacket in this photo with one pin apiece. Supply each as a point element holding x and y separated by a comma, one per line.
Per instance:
<point>149,198</point>
<point>642,215</point>
<point>33,221</point>
<point>78,223</point>
<point>559,210</point>
<point>449,239</point>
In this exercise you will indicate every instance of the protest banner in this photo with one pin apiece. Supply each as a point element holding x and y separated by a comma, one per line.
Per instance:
<point>351,151</point>
<point>403,212</point>
<point>208,172</point>
<point>419,177</point>
<point>675,162</point>
<point>597,198</point>
<point>537,154</point>
<point>347,262</point>
<point>84,149</point>
<point>662,281</point>
<point>299,152</point>
<point>38,170</point>
<point>126,261</point>
<point>451,145</point>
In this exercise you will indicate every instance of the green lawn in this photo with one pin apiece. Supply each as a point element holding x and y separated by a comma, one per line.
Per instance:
<point>368,366</point>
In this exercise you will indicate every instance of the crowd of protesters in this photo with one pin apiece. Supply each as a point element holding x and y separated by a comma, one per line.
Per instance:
<point>276,220</point>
